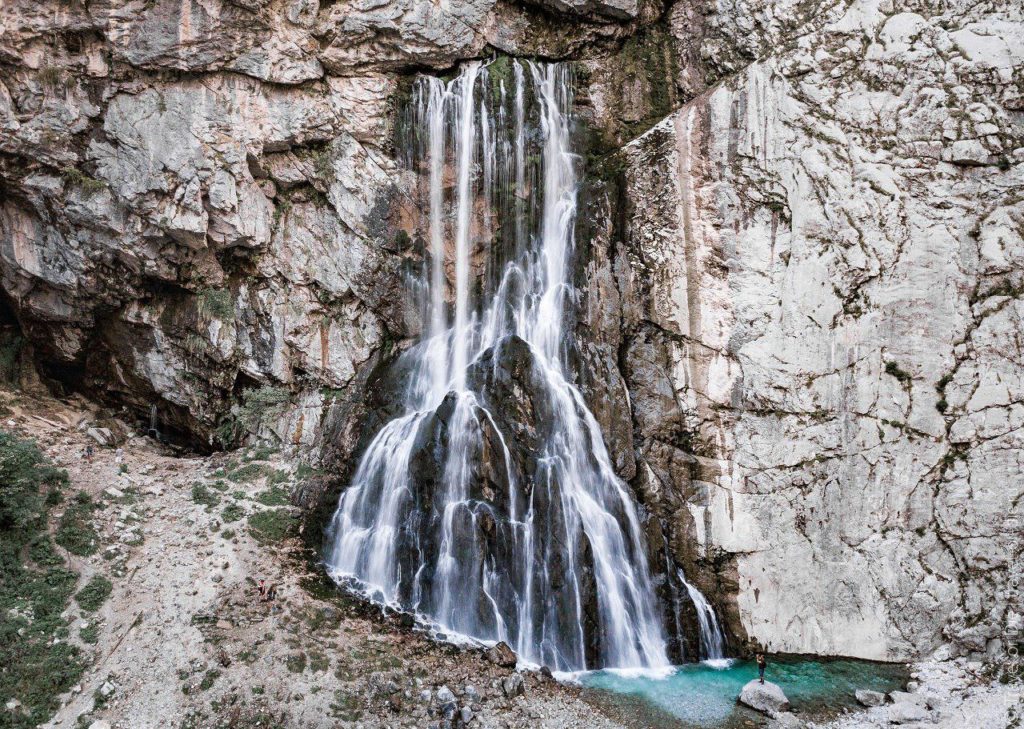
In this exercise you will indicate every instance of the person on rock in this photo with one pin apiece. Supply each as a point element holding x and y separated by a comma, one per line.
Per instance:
<point>761,665</point>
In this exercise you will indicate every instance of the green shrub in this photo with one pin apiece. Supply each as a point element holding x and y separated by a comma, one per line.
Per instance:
<point>270,526</point>
<point>94,594</point>
<point>216,303</point>
<point>260,453</point>
<point>891,368</point>
<point>90,634</point>
<point>247,473</point>
<point>276,476</point>
<point>74,177</point>
<point>205,497</point>
<point>209,678</point>
<point>75,532</point>
<point>35,588</point>
<point>296,662</point>
<point>231,512</point>
<point>274,496</point>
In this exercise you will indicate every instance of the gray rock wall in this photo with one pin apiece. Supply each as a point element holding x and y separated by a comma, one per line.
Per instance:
<point>828,245</point>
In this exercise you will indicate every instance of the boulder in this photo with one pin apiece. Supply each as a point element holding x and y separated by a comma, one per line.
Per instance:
<point>501,655</point>
<point>513,685</point>
<point>765,697</point>
<point>867,697</point>
<point>103,436</point>
<point>906,712</point>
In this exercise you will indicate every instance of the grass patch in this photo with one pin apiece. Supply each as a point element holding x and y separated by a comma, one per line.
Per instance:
<point>276,476</point>
<point>74,531</point>
<point>74,177</point>
<point>228,534</point>
<point>274,496</point>
<point>209,678</point>
<point>296,662</point>
<point>94,594</point>
<point>216,303</point>
<point>90,635</point>
<point>231,512</point>
<point>260,453</point>
<point>35,588</point>
<point>318,662</point>
<point>270,526</point>
<point>205,497</point>
<point>247,473</point>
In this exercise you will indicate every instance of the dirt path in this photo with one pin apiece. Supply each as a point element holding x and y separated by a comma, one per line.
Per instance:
<point>183,640</point>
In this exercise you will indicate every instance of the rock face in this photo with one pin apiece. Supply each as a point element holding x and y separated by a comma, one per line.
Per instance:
<point>765,697</point>
<point>827,254</point>
<point>800,266</point>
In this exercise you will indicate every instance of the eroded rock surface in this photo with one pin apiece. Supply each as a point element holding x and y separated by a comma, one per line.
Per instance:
<point>827,253</point>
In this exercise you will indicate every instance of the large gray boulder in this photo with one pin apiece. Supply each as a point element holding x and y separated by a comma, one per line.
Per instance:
<point>907,712</point>
<point>765,697</point>
<point>866,697</point>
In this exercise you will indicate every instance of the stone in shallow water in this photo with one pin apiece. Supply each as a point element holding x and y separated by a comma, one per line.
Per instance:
<point>868,697</point>
<point>765,697</point>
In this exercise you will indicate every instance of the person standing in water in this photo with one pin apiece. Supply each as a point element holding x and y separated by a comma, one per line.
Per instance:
<point>761,665</point>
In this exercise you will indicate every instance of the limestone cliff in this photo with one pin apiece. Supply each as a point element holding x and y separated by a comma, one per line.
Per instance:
<point>802,268</point>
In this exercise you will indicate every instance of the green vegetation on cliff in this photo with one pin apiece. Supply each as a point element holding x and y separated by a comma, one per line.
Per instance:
<point>37,663</point>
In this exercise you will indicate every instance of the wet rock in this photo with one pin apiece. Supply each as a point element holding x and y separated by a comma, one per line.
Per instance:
<point>513,685</point>
<point>767,697</point>
<point>501,655</point>
<point>867,697</point>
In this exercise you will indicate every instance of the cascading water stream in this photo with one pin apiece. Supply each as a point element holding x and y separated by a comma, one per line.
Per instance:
<point>490,507</point>
<point>712,639</point>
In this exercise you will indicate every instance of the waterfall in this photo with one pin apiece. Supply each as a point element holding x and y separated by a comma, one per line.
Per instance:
<point>712,639</point>
<point>489,507</point>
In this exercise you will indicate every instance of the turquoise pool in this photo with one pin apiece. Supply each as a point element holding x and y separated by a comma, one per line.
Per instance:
<point>704,694</point>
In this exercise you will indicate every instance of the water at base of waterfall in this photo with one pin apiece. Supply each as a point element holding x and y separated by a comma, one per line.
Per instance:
<point>704,694</point>
<point>489,506</point>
